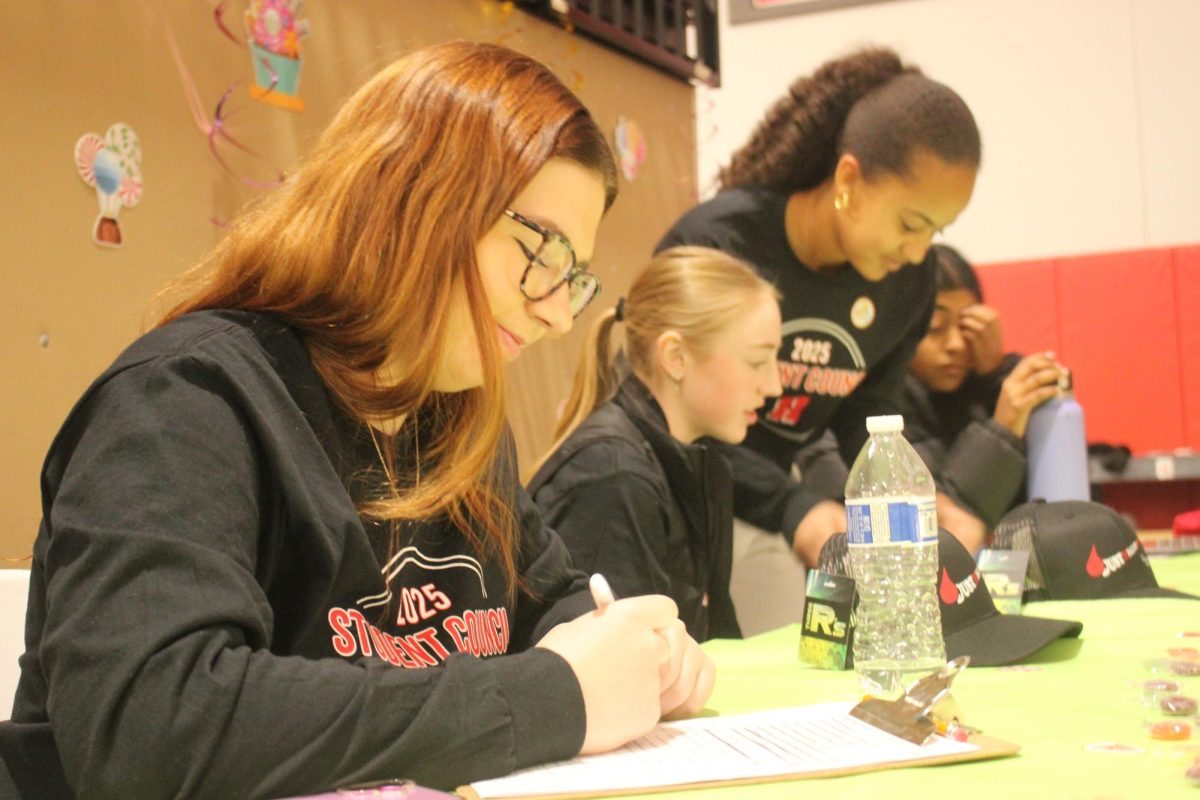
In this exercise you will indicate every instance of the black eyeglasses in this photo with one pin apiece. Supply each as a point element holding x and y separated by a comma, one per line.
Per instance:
<point>554,259</point>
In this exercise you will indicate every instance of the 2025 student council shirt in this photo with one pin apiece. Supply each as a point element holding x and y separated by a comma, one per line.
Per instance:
<point>211,617</point>
<point>846,347</point>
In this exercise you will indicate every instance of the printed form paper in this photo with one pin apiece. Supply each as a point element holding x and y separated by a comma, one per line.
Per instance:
<point>788,741</point>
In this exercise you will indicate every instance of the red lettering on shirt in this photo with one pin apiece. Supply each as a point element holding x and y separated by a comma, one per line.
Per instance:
<point>343,642</point>
<point>428,637</point>
<point>480,633</point>
<point>360,622</point>
<point>412,649</point>
<point>787,409</point>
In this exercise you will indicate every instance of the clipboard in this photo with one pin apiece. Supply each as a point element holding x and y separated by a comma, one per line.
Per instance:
<point>981,747</point>
<point>988,748</point>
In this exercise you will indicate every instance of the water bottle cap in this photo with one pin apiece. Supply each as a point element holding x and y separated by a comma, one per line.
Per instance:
<point>892,423</point>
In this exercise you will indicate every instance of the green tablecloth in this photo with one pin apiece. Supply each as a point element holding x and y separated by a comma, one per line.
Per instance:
<point>1053,708</point>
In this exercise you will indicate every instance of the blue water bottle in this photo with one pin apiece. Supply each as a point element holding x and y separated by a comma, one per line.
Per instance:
<point>1056,448</point>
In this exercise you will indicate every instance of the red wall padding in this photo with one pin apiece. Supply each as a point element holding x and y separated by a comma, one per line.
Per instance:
<point>1027,298</point>
<point>1128,325</point>
<point>1118,329</point>
<point>1187,314</point>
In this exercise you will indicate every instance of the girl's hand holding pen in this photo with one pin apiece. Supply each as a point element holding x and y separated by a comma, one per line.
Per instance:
<point>687,676</point>
<point>634,662</point>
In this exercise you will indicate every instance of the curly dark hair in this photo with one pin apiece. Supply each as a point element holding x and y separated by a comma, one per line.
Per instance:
<point>869,104</point>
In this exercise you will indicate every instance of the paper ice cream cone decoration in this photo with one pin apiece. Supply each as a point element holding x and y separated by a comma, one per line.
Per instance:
<point>274,39</point>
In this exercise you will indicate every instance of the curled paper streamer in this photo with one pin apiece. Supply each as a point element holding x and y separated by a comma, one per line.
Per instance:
<point>213,128</point>
<point>219,15</point>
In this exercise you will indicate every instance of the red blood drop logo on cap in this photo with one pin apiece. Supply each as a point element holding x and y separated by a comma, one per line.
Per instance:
<point>952,593</point>
<point>1099,567</point>
<point>947,590</point>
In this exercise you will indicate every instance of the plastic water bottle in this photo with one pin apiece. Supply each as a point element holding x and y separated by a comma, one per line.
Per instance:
<point>1056,448</point>
<point>891,520</point>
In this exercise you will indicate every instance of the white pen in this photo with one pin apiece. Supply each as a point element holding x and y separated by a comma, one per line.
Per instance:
<point>602,593</point>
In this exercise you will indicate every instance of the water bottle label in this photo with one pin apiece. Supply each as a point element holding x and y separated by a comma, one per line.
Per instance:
<point>885,520</point>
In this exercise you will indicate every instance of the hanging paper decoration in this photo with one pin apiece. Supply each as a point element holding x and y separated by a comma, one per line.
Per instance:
<point>112,164</point>
<point>274,37</point>
<point>219,17</point>
<point>213,128</point>
<point>630,146</point>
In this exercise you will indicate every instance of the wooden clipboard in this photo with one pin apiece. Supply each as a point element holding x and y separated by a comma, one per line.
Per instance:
<point>988,748</point>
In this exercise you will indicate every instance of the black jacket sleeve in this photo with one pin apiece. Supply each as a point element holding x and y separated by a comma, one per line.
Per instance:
<point>822,468</point>
<point>612,517</point>
<point>556,591</point>
<point>766,496</point>
<point>975,461</point>
<point>984,469</point>
<point>158,647</point>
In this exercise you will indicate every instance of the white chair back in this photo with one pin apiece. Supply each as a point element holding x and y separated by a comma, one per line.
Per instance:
<point>14,594</point>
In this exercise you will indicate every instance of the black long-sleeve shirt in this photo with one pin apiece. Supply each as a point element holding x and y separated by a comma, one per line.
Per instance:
<point>976,461</point>
<point>846,346</point>
<point>211,617</point>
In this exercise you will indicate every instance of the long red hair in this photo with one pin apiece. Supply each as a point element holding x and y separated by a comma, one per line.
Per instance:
<point>359,248</point>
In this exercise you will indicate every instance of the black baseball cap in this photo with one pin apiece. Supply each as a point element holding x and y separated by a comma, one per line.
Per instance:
<point>1078,550</point>
<point>971,625</point>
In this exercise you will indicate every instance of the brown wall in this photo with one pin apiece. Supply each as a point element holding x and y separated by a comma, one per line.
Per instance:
<point>67,306</point>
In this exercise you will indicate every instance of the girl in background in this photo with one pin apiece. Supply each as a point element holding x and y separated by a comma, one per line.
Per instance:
<point>283,547</point>
<point>966,402</point>
<point>629,487</point>
<point>835,199</point>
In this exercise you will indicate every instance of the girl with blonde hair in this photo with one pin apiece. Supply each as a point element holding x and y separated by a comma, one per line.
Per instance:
<point>283,547</point>
<point>632,486</point>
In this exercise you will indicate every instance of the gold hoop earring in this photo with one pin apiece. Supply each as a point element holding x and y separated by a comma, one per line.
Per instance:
<point>841,201</point>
